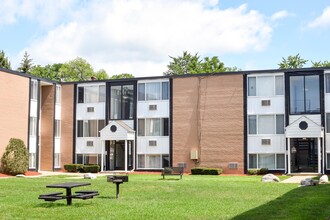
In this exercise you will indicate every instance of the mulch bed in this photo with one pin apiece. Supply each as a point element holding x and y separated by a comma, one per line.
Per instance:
<point>28,173</point>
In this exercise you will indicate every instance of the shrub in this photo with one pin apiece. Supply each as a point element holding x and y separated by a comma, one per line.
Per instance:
<point>253,171</point>
<point>73,167</point>
<point>15,160</point>
<point>206,171</point>
<point>263,171</point>
<point>91,168</point>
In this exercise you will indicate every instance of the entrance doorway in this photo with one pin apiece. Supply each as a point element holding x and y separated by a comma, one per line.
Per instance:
<point>115,156</point>
<point>304,155</point>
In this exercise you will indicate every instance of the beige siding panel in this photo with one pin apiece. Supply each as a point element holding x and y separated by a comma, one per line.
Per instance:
<point>67,117</point>
<point>208,116</point>
<point>47,128</point>
<point>14,92</point>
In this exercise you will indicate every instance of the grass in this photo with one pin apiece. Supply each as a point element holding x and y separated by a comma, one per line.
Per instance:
<point>150,197</point>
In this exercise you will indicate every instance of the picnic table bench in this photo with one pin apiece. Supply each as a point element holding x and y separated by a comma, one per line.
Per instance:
<point>168,171</point>
<point>51,197</point>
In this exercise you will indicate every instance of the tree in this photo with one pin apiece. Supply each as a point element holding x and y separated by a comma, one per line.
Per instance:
<point>48,71</point>
<point>4,61</point>
<point>192,64</point>
<point>15,160</point>
<point>321,64</point>
<point>292,62</point>
<point>122,76</point>
<point>101,75</point>
<point>76,70</point>
<point>26,65</point>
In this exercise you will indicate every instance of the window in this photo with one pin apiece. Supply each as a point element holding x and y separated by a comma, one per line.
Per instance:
<point>265,85</point>
<point>153,161</point>
<point>328,161</point>
<point>270,161</point>
<point>89,159</point>
<point>266,124</point>
<point>327,83</point>
<point>57,128</point>
<point>327,122</point>
<point>304,94</point>
<point>153,127</point>
<point>89,128</point>
<point>33,126</point>
<point>153,91</point>
<point>32,160</point>
<point>91,94</point>
<point>58,95</point>
<point>252,86</point>
<point>57,160</point>
<point>34,89</point>
<point>122,102</point>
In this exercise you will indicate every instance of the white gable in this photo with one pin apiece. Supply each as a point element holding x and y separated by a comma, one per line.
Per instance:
<point>294,130</point>
<point>119,131</point>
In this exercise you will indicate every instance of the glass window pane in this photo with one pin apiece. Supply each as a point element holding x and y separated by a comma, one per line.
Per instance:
<point>91,94</point>
<point>164,127</point>
<point>252,124</point>
<point>141,161</point>
<point>153,161</point>
<point>153,91</point>
<point>328,161</point>
<point>165,90</point>
<point>153,127</point>
<point>328,122</point>
<point>265,86</point>
<point>252,86</point>
<point>312,94</point>
<point>34,89</point>
<point>280,161</point>
<point>57,128</point>
<point>141,92</point>
<point>80,94</point>
<point>115,102</point>
<point>297,88</point>
<point>101,125</point>
<point>141,127</point>
<point>327,83</point>
<point>33,126</point>
<point>80,128</point>
<point>279,88</point>
<point>252,161</point>
<point>266,161</point>
<point>166,161</point>
<point>266,124</point>
<point>127,105</point>
<point>279,124</point>
<point>93,131</point>
<point>58,95</point>
<point>102,93</point>
<point>86,129</point>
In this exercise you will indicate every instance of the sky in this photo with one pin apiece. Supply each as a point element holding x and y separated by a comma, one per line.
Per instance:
<point>140,36</point>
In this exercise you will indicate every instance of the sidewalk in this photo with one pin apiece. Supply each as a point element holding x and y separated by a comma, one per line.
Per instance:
<point>296,179</point>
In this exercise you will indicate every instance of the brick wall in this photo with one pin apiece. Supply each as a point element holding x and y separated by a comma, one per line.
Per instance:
<point>208,116</point>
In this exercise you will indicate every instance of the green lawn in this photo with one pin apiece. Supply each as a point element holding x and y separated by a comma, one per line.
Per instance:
<point>150,197</point>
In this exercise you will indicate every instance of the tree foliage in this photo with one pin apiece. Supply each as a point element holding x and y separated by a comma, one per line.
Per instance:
<point>4,61</point>
<point>321,64</point>
<point>48,71</point>
<point>122,76</point>
<point>15,160</point>
<point>292,62</point>
<point>193,64</point>
<point>26,65</point>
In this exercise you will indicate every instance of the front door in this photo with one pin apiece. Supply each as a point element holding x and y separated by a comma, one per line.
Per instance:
<point>304,156</point>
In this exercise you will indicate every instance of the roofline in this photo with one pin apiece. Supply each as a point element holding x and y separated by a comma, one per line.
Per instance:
<point>14,72</point>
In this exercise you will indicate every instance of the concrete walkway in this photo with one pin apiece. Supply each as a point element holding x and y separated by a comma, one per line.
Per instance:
<point>296,179</point>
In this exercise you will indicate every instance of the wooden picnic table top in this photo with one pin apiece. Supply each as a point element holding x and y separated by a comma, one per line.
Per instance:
<point>68,185</point>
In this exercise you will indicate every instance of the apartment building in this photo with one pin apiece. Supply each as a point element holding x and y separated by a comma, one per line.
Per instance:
<point>275,119</point>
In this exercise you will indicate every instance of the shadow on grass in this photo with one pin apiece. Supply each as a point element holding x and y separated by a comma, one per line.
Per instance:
<point>311,202</point>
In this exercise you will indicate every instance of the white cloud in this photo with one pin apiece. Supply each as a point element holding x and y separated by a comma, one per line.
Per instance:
<point>138,36</point>
<point>322,21</point>
<point>279,15</point>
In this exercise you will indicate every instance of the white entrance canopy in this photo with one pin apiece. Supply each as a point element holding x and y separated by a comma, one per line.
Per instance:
<point>304,127</point>
<point>116,131</point>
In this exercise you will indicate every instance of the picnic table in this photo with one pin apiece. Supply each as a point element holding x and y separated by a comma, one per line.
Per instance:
<point>69,196</point>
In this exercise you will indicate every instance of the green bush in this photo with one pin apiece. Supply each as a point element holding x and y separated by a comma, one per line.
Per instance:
<point>263,171</point>
<point>15,160</point>
<point>206,171</point>
<point>73,167</point>
<point>91,168</point>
